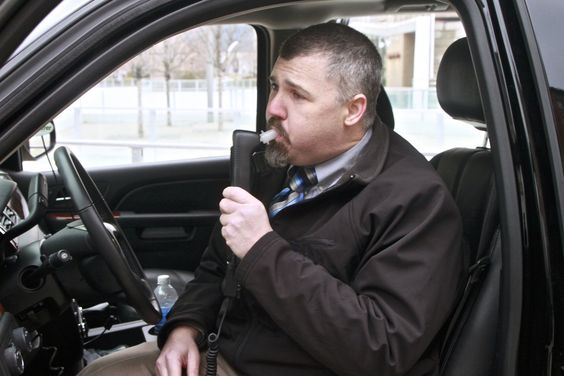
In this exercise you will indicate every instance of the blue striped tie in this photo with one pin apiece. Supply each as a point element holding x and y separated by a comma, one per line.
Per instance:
<point>301,178</point>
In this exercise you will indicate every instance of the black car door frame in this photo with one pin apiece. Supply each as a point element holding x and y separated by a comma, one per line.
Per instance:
<point>17,19</point>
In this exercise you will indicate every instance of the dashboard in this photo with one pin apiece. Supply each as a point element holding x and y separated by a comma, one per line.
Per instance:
<point>20,238</point>
<point>14,210</point>
<point>17,344</point>
<point>19,216</point>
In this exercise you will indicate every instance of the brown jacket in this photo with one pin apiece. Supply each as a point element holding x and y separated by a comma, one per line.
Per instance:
<point>356,281</point>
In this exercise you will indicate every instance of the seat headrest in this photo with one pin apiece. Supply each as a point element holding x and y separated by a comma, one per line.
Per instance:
<point>457,86</point>
<point>384,108</point>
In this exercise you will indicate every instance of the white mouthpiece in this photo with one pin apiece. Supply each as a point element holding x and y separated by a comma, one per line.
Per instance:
<point>266,137</point>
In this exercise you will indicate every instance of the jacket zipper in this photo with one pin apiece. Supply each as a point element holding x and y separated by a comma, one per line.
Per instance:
<point>245,338</point>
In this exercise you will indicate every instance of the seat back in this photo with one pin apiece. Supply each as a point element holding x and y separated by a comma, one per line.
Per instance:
<point>469,343</point>
<point>384,108</point>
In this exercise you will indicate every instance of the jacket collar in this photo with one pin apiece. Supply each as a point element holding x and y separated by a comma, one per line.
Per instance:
<point>371,160</point>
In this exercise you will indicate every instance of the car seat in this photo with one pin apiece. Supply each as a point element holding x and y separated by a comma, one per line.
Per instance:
<point>469,342</point>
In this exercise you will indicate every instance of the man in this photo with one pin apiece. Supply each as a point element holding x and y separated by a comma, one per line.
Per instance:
<point>350,270</point>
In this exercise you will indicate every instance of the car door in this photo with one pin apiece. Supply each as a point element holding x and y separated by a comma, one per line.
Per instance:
<point>155,135</point>
<point>166,210</point>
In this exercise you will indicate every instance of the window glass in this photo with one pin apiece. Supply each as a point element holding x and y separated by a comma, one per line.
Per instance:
<point>179,99</point>
<point>412,47</point>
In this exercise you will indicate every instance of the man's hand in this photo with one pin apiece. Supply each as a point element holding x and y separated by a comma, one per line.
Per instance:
<point>244,220</point>
<point>179,352</point>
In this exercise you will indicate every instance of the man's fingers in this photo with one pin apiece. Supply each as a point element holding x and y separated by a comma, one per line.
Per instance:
<point>238,195</point>
<point>227,234</point>
<point>168,364</point>
<point>174,367</point>
<point>160,366</point>
<point>223,219</point>
<point>223,230</point>
<point>179,352</point>
<point>227,206</point>
<point>193,361</point>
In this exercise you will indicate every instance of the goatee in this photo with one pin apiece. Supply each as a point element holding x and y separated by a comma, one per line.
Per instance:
<point>276,155</point>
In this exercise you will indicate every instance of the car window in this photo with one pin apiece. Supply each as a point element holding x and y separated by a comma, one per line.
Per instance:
<point>180,99</point>
<point>412,47</point>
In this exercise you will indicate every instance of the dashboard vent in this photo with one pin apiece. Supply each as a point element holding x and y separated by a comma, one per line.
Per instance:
<point>8,219</point>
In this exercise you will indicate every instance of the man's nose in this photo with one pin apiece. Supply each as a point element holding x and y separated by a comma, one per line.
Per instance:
<point>275,107</point>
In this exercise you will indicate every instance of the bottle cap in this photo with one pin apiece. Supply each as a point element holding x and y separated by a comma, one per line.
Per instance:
<point>163,279</point>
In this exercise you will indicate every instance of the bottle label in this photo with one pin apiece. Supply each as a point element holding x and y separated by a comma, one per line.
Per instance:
<point>165,311</point>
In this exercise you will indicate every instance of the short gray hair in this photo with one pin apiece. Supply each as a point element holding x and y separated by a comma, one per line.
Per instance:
<point>354,61</point>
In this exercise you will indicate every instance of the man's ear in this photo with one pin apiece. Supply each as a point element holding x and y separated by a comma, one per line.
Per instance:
<point>355,109</point>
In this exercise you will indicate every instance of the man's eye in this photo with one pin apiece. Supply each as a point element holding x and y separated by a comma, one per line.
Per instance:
<point>297,95</point>
<point>273,86</point>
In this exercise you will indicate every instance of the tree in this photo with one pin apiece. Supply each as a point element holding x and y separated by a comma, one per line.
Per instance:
<point>139,69</point>
<point>221,43</point>
<point>171,54</point>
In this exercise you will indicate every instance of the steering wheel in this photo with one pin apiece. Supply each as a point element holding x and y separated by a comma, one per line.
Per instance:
<point>107,236</point>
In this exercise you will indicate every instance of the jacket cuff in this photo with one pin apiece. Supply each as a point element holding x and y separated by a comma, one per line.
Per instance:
<point>246,264</point>
<point>169,327</point>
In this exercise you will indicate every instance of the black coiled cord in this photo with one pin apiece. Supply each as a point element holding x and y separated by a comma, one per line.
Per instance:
<point>211,356</point>
<point>213,340</point>
<point>230,288</point>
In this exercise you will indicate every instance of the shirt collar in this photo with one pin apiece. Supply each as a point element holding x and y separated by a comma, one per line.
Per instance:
<point>329,172</point>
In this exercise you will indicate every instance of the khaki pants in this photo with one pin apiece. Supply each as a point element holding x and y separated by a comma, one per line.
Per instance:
<point>140,361</point>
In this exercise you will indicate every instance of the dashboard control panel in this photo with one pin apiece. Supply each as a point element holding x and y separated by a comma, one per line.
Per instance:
<point>16,344</point>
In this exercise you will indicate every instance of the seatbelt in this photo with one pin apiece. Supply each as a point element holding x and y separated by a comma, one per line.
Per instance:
<point>244,143</point>
<point>476,274</point>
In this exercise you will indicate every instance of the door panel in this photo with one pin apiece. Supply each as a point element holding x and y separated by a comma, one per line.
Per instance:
<point>166,210</point>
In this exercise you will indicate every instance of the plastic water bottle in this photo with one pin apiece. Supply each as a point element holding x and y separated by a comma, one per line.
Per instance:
<point>166,296</point>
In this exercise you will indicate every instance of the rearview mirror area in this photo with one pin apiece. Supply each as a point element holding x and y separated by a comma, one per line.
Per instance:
<point>41,143</point>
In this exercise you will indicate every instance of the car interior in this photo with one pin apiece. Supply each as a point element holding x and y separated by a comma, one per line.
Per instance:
<point>82,247</point>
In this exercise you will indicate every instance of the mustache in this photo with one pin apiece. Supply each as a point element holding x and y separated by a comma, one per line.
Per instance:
<point>274,123</point>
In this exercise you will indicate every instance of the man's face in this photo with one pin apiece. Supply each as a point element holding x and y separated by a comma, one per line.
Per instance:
<point>303,107</point>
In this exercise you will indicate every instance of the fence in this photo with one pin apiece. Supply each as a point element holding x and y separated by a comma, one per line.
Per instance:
<point>107,126</point>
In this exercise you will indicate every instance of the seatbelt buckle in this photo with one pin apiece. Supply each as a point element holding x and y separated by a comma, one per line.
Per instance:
<point>479,267</point>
